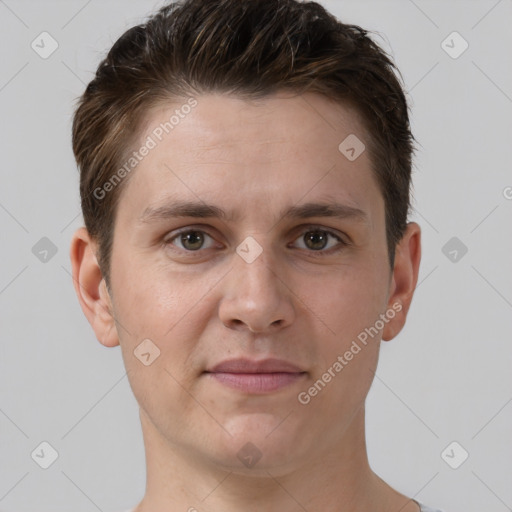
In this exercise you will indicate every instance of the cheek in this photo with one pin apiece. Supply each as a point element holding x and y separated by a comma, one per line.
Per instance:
<point>350,306</point>
<point>348,358</point>
<point>159,322</point>
<point>153,302</point>
<point>350,300</point>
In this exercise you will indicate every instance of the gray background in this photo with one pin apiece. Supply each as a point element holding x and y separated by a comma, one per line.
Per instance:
<point>445,378</point>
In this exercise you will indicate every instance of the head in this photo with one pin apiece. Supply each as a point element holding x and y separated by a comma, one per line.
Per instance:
<point>246,107</point>
<point>251,50</point>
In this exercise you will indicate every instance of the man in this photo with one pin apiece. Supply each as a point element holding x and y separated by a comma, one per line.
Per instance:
<point>245,173</point>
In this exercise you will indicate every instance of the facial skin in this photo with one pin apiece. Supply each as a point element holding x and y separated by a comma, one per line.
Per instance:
<point>203,304</point>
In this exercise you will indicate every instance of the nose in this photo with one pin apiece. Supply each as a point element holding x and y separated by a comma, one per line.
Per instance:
<point>256,296</point>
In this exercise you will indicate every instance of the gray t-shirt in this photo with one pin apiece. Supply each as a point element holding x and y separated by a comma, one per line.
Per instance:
<point>424,508</point>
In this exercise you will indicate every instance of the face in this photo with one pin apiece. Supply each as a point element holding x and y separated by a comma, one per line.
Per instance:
<point>294,269</point>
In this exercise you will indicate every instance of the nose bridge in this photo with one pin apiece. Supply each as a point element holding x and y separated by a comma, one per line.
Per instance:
<point>256,295</point>
<point>255,268</point>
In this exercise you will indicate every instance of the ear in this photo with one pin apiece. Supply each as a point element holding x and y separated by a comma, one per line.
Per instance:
<point>403,279</point>
<point>91,289</point>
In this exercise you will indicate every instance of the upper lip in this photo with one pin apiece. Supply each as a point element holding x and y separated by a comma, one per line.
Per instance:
<point>250,366</point>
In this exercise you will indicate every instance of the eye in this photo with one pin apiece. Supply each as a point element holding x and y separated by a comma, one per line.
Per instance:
<point>190,240</point>
<point>314,239</point>
<point>318,240</point>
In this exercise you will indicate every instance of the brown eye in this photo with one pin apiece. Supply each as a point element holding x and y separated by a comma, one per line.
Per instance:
<point>190,240</point>
<point>321,241</point>
<point>316,240</point>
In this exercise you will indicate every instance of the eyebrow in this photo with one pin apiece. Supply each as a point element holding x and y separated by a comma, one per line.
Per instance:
<point>179,209</point>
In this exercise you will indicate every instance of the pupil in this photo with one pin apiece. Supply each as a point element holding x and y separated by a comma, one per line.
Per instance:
<point>316,237</point>
<point>192,240</point>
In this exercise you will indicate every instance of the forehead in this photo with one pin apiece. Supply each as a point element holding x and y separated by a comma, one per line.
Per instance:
<point>251,153</point>
<point>221,121</point>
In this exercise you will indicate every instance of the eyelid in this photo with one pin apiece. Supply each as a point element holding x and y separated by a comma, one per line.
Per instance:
<point>300,230</point>
<point>317,227</point>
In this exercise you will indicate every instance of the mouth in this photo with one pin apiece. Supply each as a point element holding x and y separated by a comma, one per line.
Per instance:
<point>257,382</point>
<point>256,376</point>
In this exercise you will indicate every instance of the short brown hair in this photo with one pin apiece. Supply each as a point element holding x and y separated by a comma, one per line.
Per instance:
<point>250,48</point>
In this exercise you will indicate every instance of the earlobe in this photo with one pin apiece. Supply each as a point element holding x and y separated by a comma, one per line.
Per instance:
<point>90,288</point>
<point>404,279</point>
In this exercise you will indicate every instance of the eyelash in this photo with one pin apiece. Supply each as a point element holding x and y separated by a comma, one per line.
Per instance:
<point>309,229</point>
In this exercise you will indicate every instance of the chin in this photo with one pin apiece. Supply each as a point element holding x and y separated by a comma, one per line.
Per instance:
<point>258,442</point>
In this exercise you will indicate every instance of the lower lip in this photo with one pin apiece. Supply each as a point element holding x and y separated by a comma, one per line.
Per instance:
<point>257,382</point>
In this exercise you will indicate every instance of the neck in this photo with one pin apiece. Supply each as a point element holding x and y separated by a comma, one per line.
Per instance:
<point>334,478</point>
